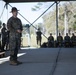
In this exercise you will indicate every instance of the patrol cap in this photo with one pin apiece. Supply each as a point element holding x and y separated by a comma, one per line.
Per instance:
<point>14,9</point>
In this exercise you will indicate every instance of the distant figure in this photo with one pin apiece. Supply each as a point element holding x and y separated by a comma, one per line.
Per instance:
<point>59,40</point>
<point>67,40</point>
<point>50,41</point>
<point>73,40</point>
<point>38,37</point>
<point>4,36</point>
<point>7,40</point>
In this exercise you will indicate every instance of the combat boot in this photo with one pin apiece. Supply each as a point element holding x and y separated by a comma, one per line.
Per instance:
<point>19,62</point>
<point>15,63</point>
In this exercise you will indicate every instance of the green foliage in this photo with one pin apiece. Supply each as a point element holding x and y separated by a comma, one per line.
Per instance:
<point>74,16</point>
<point>33,9</point>
<point>40,5</point>
<point>37,6</point>
<point>50,18</point>
<point>74,26</point>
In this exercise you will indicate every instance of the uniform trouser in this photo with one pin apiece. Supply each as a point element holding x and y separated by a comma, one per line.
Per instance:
<point>39,41</point>
<point>50,43</point>
<point>3,43</point>
<point>14,46</point>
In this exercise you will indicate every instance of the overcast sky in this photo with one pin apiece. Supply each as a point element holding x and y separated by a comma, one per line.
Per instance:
<point>25,10</point>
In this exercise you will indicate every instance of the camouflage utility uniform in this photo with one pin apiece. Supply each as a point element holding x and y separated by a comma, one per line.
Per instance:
<point>59,40</point>
<point>3,33</point>
<point>13,25</point>
<point>51,41</point>
<point>39,38</point>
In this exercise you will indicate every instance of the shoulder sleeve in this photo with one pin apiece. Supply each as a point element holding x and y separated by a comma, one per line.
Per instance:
<point>21,27</point>
<point>9,23</point>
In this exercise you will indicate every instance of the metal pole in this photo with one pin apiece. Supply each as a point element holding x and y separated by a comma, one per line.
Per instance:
<point>56,19</point>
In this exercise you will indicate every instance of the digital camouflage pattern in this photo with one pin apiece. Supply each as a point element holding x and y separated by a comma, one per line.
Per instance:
<point>13,25</point>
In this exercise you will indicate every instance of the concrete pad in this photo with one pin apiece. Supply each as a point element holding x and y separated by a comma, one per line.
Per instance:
<point>42,62</point>
<point>35,62</point>
<point>67,62</point>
